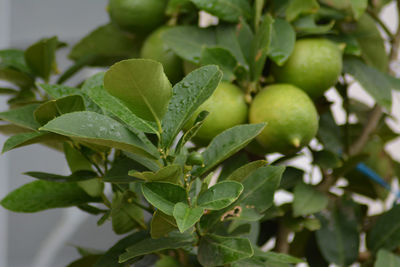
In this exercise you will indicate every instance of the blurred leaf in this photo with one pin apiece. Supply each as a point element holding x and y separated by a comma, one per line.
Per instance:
<point>167,261</point>
<point>187,96</point>
<point>307,200</point>
<point>241,173</point>
<point>170,173</point>
<point>41,195</point>
<point>386,231</point>
<point>74,177</point>
<point>186,216</point>
<point>326,159</point>
<point>41,57</point>
<point>307,26</point>
<point>220,195</point>
<point>283,38</point>
<point>386,259</point>
<point>18,78</point>
<point>372,80</point>
<point>226,10</point>
<point>126,215</point>
<point>301,7</point>
<point>118,173</point>
<point>291,177</point>
<point>141,85</point>
<point>161,225</point>
<point>85,261</point>
<point>226,144</point>
<point>352,46</point>
<point>163,196</point>
<point>329,133</point>
<point>222,58</point>
<point>355,7</point>
<point>149,245</point>
<point>97,129</point>
<point>189,48</point>
<point>218,250</point>
<point>15,59</point>
<point>22,116</point>
<point>24,139</point>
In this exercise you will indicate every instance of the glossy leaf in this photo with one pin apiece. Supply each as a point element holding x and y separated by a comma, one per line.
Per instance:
<point>41,195</point>
<point>187,96</point>
<point>220,195</point>
<point>283,38</point>
<point>24,139</point>
<point>386,259</point>
<point>299,7</point>
<point>386,231</point>
<point>260,186</point>
<point>372,80</point>
<point>141,85</point>
<point>97,129</point>
<point>222,58</point>
<point>227,10</point>
<point>241,173</point>
<point>163,196</point>
<point>110,258</point>
<point>161,225</point>
<point>40,57</point>
<point>22,116</point>
<point>186,216</point>
<point>218,250</point>
<point>189,48</point>
<point>171,173</point>
<point>307,200</point>
<point>149,245</point>
<point>228,143</point>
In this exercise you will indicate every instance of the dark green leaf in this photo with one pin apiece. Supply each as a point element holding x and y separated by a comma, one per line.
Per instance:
<point>141,85</point>
<point>326,159</point>
<point>283,38</point>
<point>125,214</point>
<point>161,224</point>
<point>42,195</point>
<point>57,91</point>
<point>273,257</point>
<point>386,231</point>
<point>291,177</point>
<point>167,261</point>
<point>149,245</point>
<point>227,10</point>
<point>186,216</point>
<point>85,261</point>
<point>188,95</point>
<point>300,7</point>
<point>110,258</point>
<point>218,250</point>
<point>170,173</point>
<point>386,259</point>
<point>307,200</point>
<point>308,26</point>
<point>243,172</point>
<point>222,58</point>
<point>18,78</point>
<point>372,80</point>
<point>97,129</point>
<point>163,196</point>
<point>81,175</point>
<point>220,195</point>
<point>24,139</point>
<point>189,48</point>
<point>120,168</point>
<point>15,59</point>
<point>150,164</point>
<point>41,57</point>
<point>228,143</point>
<point>21,116</point>
<point>329,132</point>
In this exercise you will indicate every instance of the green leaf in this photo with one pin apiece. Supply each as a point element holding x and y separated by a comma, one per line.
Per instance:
<point>244,171</point>
<point>326,159</point>
<point>75,159</point>
<point>308,25</point>
<point>18,78</point>
<point>386,259</point>
<point>228,143</point>
<point>372,80</point>
<point>187,96</point>
<point>150,164</point>
<point>167,261</point>
<point>338,239</point>
<point>57,91</point>
<point>218,250</point>
<point>141,85</point>
<point>40,57</point>
<point>186,216</point>
<point>22,116</point>
<point>220,195</point>
<point>24,139</point>
<point>221,57</point>
<point>273,257</point>
<point>126,215</point>
<point>189,48</point>
<point>110,258</point>
<point>161,225</point>
<point>77,176</point>
<point>226,10</point>
<point>386,231</point>
<point>329,132</point>
<point>307,200</point>
<point>85,261</point>
<point>300,7</point>
<point>260,186</point>
<point>260,47</point>
<point>97,129</point>
<point>371,42</point>
<point>114,106</point>
<point>15,59</point>
<point>283,38</point>
<point>149,245</point>
<point>163,196</point>
<point>55,108</point>
<point>120,168</point>
<point>42,195</point>
<point>106,45</point>
<point>170,173</point>
<point>7,91</point>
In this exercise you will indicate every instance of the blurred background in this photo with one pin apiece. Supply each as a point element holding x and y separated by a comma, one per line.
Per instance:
<point>47,239</point>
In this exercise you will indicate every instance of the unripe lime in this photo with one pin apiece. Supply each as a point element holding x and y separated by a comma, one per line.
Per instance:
<point>155,48</point>
<point>227,108</point>
<point>195,158</point>
<point>291,117</point>
<point>314,66</point>
<point>138,16</point>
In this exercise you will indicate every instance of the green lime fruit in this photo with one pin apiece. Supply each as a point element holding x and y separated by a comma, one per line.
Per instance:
<point>227,108</point>
<point>138,16</point>
<point>291,117</point>
<point>155,48</point>
<point>195,158</point>
<point>314,66</point>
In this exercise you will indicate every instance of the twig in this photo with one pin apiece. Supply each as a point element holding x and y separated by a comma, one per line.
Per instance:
<point>381,24</point>
<point>282,243</point>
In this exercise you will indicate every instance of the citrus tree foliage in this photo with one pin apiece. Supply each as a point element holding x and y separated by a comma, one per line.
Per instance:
<point>182,199</point>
